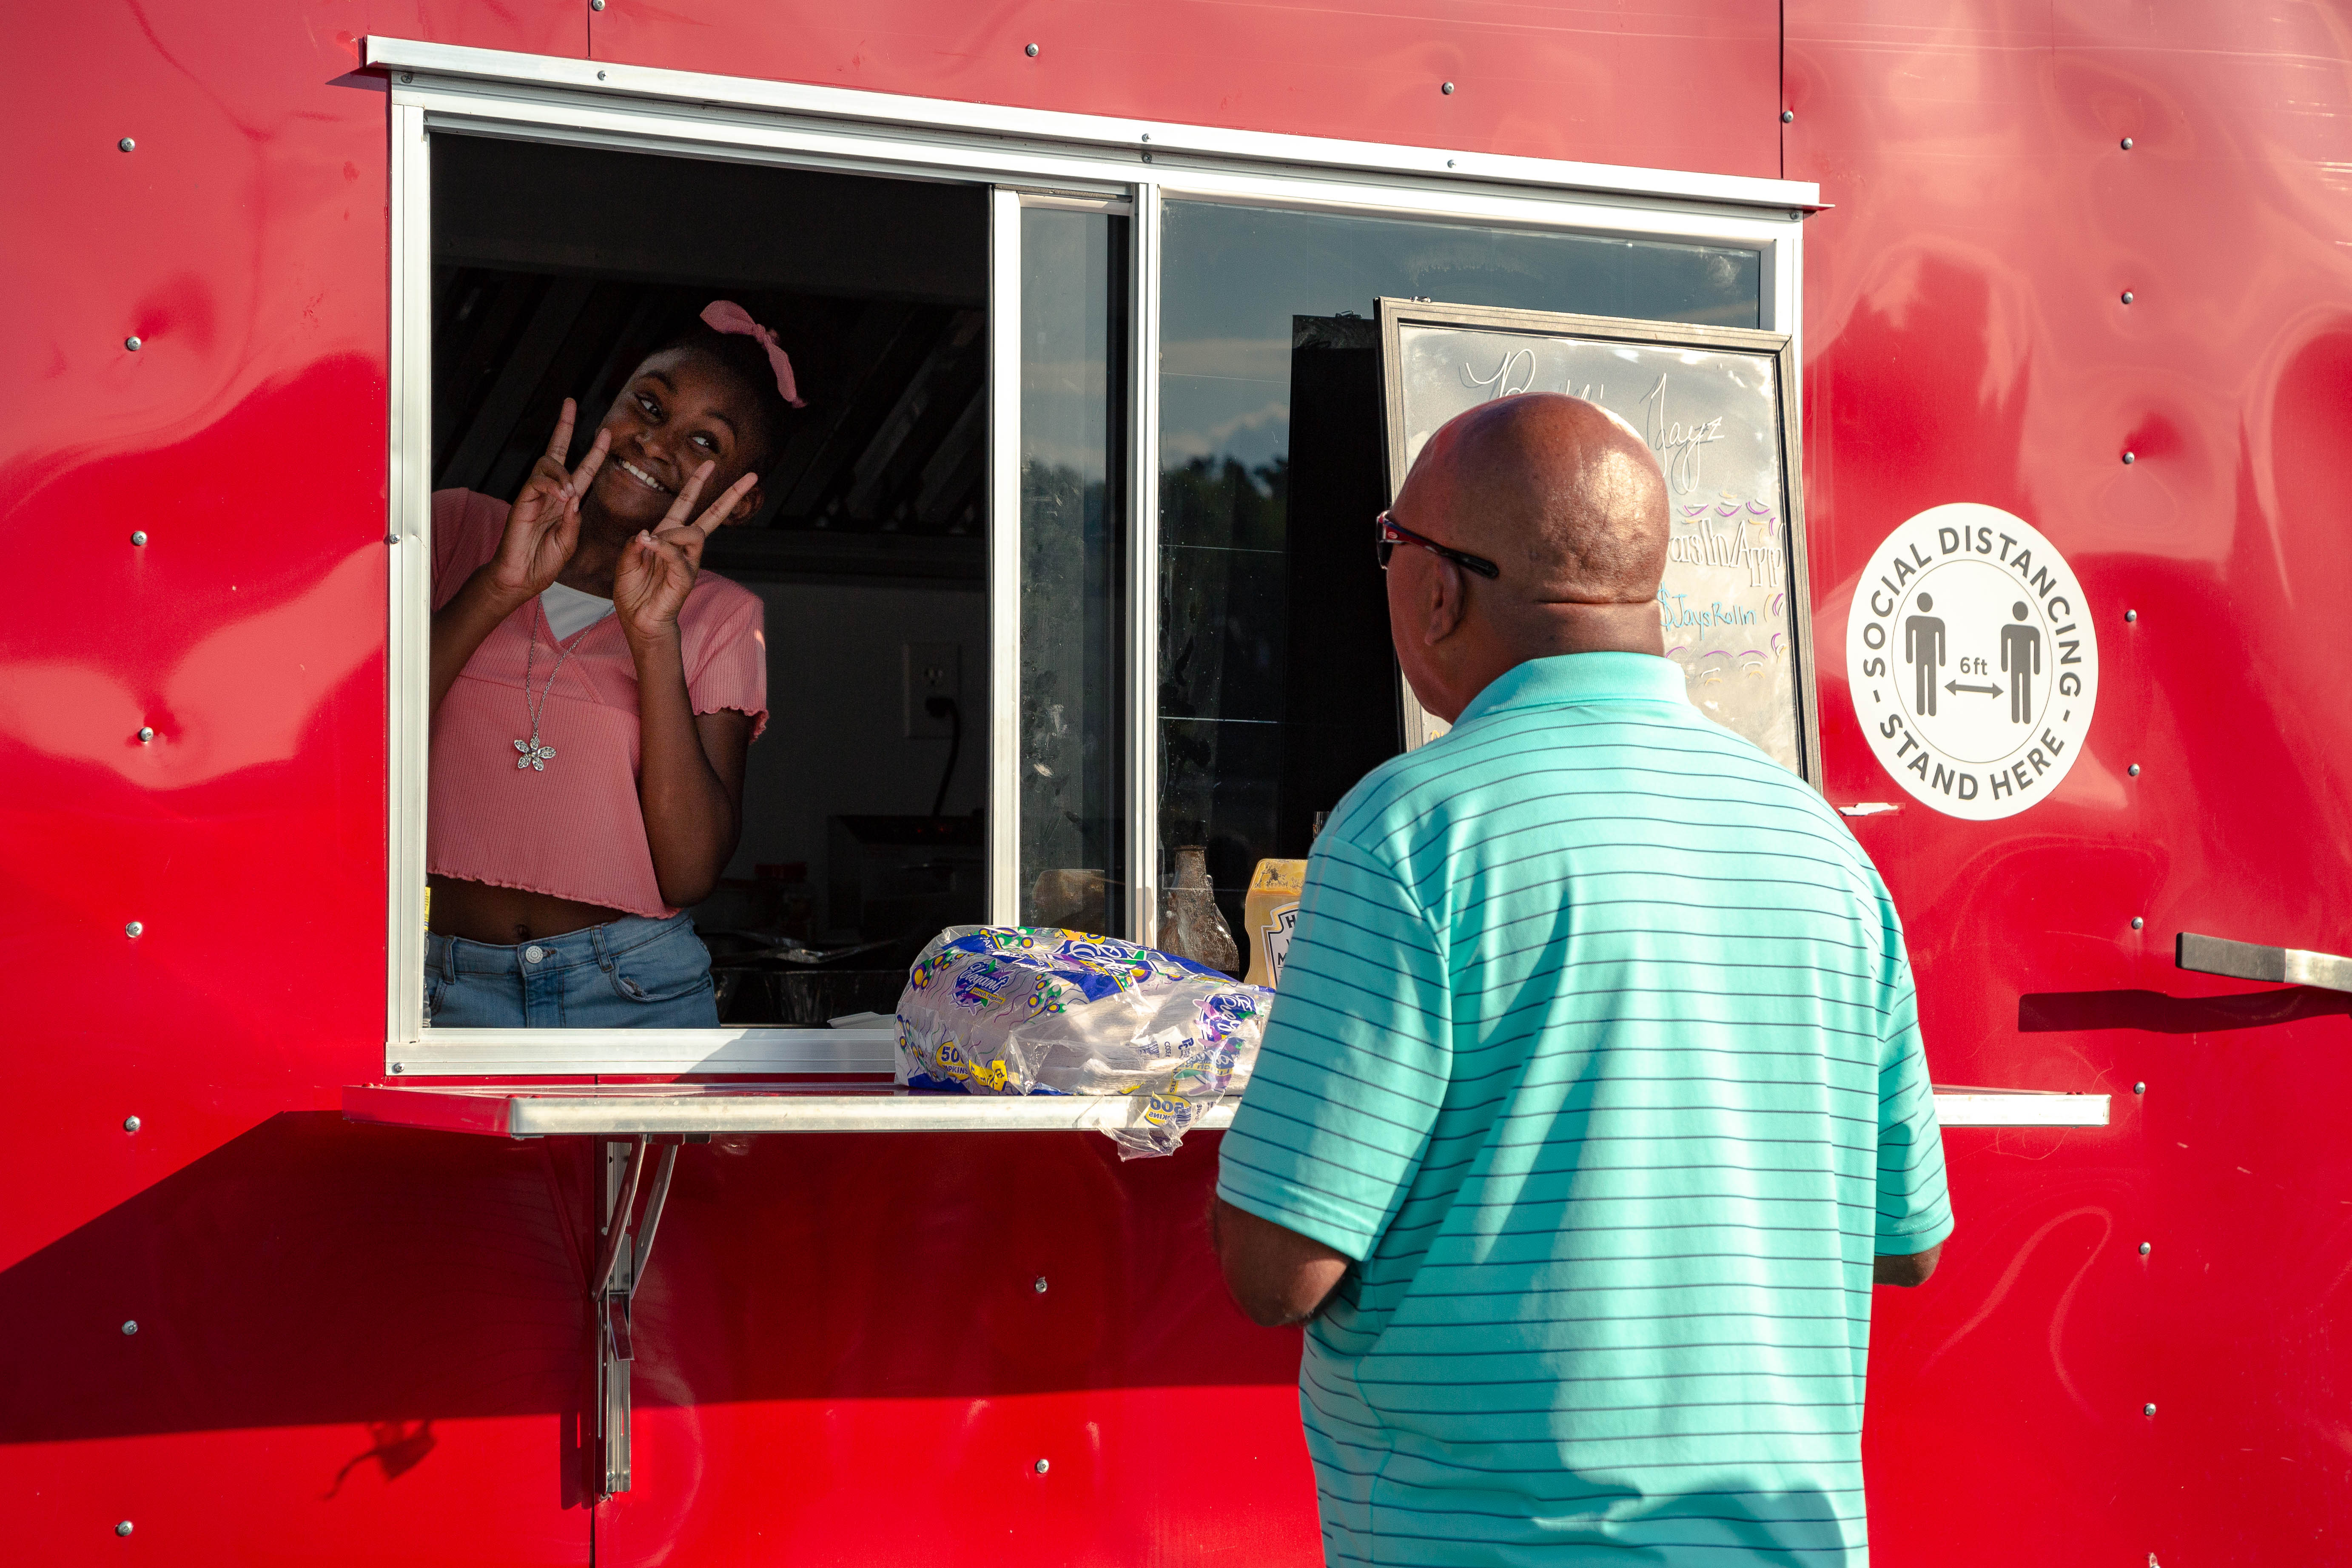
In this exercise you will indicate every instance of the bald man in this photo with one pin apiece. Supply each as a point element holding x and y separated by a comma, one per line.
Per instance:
<point>1592,1100</point>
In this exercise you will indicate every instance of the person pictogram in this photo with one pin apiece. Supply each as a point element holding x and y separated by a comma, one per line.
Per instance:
<point>1923,649</point>
<point>2021,646</point>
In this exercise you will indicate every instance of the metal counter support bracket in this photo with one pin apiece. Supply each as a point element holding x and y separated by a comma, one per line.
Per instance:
<point>620,1260</point>
<point>2251,961</point>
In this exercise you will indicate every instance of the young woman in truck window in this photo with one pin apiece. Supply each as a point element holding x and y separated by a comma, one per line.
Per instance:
<point>594,694</point>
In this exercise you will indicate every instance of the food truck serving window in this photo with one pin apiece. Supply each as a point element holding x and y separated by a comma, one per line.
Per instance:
<point>1048,596</point>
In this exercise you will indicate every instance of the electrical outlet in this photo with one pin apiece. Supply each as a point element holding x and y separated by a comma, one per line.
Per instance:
<point>929,670</point>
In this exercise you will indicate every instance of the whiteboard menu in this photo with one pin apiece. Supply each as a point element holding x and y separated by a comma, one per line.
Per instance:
<point>1717,406</point>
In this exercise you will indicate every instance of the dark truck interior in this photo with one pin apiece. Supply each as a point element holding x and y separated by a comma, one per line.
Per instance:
<point>556,269</point>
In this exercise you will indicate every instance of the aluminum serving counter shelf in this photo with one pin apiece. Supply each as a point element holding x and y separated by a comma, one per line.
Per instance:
<point>523,1111</point>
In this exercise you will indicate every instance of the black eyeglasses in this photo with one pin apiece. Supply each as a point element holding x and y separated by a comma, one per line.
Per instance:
<point>1394,533</point>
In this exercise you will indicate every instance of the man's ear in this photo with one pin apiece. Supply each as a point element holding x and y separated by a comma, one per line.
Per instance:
<point>748,507</point>
<point>1442,601</point>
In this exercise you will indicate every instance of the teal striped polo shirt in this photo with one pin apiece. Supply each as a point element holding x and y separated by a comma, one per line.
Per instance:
<point>1596,1049</point>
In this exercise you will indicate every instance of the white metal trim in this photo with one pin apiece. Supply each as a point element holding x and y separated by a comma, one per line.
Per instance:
<point>554,1113</point>
<point>2020,1107</point>
<point>1066,201</point>
<point>736,1109</point>
<point>1143,571</point>
<point>676,131</point>
<point>541,1115</point>
<point>2204,954</point>
<point>1604,214</point>
<point>491,1053</point>
<point>1783,301</point>
<point>409,58</point>
<point>1005,556</point>
<point>555,118</point>
<point>497,1053</point>
<point>408,629</point>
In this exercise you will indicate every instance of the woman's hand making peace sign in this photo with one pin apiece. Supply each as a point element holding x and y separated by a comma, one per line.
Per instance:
<point>657,569</point>
<point>543,526</point>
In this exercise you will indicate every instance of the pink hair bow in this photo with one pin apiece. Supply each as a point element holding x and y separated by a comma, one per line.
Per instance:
<point>727,316</point>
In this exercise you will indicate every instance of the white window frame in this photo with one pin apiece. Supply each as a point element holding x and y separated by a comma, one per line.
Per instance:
<point>1019,153</point>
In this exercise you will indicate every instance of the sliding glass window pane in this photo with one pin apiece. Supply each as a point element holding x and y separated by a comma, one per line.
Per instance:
<point>1277,687</point>
<point>1073,373</point>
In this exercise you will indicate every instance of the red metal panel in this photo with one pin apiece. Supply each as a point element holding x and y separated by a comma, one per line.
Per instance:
<point>356,1344</point>
<point>1967,341</point>
<point>330,1362</point>
<point>360,1343</point>
<point>244,243</point>
<point>843,1357</point>
<point>1692,85</point>
<point>352,1345</point>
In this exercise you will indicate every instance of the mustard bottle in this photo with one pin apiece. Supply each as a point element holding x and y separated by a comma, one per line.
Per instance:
<point>1268,915</point>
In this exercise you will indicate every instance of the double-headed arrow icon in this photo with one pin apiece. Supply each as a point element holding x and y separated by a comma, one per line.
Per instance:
<point>1986,690</point>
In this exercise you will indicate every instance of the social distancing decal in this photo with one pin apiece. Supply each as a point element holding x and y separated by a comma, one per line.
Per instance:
<point>1972,661</point>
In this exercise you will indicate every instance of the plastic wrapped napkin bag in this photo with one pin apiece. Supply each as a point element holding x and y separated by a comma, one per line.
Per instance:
<point>1016,1010</point>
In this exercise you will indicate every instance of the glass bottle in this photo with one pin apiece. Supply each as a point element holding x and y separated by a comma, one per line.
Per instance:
<point>1190,925</point>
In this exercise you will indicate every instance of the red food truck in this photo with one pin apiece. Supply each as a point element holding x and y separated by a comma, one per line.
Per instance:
<point>1105,318</point>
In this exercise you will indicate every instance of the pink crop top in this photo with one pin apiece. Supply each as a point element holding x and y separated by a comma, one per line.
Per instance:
<point>574,830</point>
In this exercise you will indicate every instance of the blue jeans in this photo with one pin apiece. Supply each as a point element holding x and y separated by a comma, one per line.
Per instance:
<point>631,973</point>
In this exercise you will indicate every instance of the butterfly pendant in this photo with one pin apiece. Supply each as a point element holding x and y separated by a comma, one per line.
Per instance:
<point>534,756</point>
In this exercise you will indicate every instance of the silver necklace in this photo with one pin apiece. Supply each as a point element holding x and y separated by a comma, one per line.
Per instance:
<point>536,756</point>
